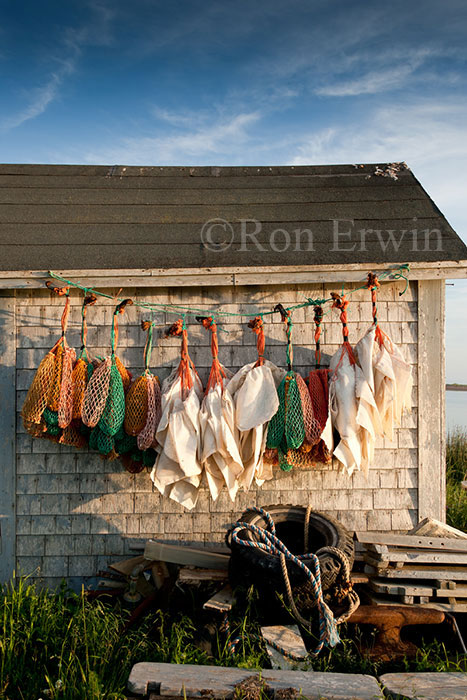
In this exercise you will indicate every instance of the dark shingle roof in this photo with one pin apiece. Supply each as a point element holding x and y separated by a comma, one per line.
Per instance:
<point>97,217</point>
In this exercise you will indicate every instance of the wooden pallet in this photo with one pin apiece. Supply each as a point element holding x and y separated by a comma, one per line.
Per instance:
<point>451,605</point>
<point>387,556</point>
<point>418,571</point>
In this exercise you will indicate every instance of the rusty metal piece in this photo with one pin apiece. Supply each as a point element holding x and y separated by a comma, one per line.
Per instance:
<point>389,620</point>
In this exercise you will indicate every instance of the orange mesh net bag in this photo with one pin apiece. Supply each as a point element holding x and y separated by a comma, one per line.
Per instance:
<point>147,435</point>
<point>47,405</point>
<point>136,406</point>
<point>143,401</point>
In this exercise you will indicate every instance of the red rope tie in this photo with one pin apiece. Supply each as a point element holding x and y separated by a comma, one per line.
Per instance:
<point>341,303</point>
<point>186,379</point>
<point>318,319</point>
<point>373,285</point>
<point>217,374</point>
<point>257,326</point>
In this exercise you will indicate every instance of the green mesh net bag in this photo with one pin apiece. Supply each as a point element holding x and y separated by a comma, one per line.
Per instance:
<point>104,400</point>
<point>286,429</point>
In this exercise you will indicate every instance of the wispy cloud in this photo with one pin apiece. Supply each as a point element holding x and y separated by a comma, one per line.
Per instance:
<point>96,32</point>
<point>191,143</point>
<point>395,69</point>
<point>369,84</point>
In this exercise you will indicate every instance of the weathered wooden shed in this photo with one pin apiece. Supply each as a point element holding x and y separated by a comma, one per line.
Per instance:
<point>243,239</point>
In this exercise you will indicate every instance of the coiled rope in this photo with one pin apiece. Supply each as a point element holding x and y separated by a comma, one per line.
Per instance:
<point>269,542</point>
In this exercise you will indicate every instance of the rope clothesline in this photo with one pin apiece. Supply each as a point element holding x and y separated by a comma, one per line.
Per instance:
<point>397,273</point>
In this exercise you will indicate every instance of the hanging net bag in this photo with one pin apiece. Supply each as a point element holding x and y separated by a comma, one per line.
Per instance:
<point>76,433</point>
<point>48,405</point>
<point>142,415</point>
<point>104,399</point>
<point>286,430</point>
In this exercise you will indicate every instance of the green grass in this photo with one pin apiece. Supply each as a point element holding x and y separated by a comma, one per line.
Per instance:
<point>62,646</point>
<point>456,472</point>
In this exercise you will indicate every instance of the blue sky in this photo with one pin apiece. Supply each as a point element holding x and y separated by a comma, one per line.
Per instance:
<point>244,83</point>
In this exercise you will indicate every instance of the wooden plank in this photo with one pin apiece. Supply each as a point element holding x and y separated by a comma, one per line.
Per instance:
<point>126,567</point>
<point>458,591</point>
<point>192,575</point>
<point>8,437</point>
<point>179,554</point>
<point>400,588</point>
<point>385,554</point>
<point>419,571</point>
<point>288,637</point>
<point>222,601</point>
<point>449,544</point>
<point>196,681</point>
<point>458,607</point>
<point>431,400</point>
<point>427,685</point>
<point>432,527</point>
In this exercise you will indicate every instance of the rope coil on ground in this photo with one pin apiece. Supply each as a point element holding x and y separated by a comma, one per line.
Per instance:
<point>268,541</point>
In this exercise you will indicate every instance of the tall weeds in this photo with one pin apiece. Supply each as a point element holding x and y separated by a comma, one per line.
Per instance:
<point>456,472</point>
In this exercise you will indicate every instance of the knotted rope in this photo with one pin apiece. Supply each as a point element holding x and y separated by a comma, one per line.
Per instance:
<point>217,374</point>
<point>186,366</point>
<point>341,303</point>
<point>373,285</point>
<point>318,317</point>
<point>257,326</point>
<point>268,541</point>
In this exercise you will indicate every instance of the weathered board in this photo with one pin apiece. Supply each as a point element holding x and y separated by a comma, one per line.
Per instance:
<point>222,601</point>
<point>452,605</point>
<point>425,686</point>
<point>390,554</point>
<point>177,554</point>
<point>450,544</point>
<point>287,637</point>
<point>7,436</point>
<point>454,573</point>
<point>431,527</point>
<point>196,681</point>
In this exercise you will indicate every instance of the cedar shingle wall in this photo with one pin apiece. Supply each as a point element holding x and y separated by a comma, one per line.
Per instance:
<point>76,513</point>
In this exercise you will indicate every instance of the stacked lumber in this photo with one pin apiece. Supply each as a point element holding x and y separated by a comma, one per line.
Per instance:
<point>427,567</point>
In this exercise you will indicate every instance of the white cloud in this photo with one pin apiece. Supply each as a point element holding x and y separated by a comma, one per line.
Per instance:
<point>369,84</point>
<point>96,32</point>
<point>192,143</point>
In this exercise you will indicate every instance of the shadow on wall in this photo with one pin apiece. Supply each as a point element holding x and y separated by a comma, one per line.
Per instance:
<point>76,512</point>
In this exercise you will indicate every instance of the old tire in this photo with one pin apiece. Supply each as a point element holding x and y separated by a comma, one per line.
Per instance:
<point>253,565</point>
